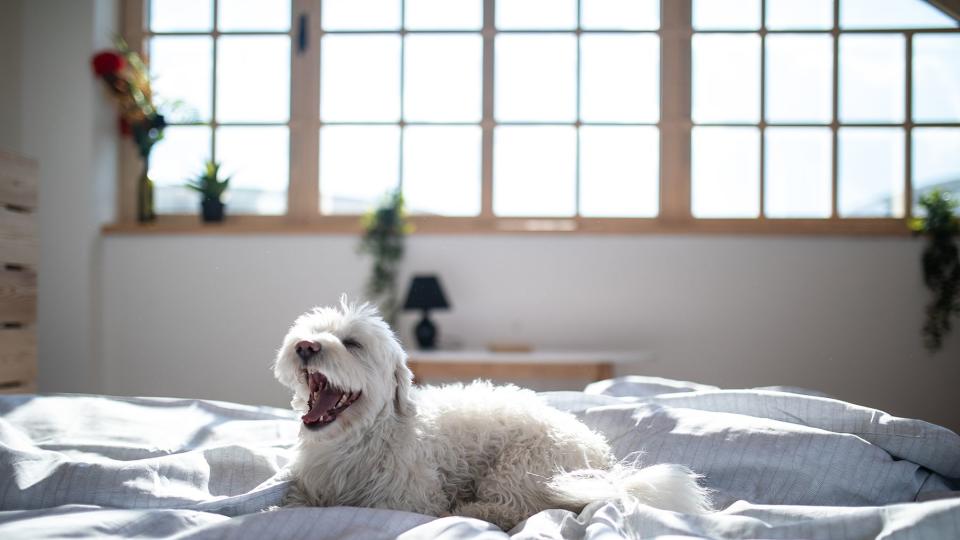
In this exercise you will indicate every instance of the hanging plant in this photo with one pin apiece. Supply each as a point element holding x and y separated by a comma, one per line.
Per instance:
<point>941,264</point>
<point>383,238</point>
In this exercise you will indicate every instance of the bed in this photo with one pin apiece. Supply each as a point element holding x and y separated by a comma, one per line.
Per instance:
<point>782,463</point>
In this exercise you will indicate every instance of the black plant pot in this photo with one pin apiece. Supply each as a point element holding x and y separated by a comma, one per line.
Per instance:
<point>212,210</point>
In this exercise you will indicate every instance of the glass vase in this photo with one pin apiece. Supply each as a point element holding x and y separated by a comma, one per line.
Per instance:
<point>145,213</point>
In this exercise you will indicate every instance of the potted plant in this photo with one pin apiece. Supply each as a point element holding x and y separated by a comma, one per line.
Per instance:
<point>127,79</point>
<point>384,229</point>
<point>211,188</point>
<point>941,264</point>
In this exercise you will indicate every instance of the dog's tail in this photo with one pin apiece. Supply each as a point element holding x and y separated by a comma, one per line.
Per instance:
<point>668,487</point>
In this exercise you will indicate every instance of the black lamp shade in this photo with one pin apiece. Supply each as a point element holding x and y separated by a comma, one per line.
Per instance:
<point>425,293</point>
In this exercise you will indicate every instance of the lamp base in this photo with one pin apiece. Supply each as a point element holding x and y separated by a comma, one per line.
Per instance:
<point>426,333</point>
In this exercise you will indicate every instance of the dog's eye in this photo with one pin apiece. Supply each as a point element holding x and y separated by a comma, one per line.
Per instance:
<point>351,343</point>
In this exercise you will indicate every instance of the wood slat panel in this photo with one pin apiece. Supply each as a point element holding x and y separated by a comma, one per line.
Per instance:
<point>18,181</point>
<point>18,238</point>
<point>29,388</point>
<point>18,351</point>
<point>18,296</point>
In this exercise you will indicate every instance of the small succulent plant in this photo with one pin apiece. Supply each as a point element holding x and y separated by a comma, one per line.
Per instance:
<point>209,185</point>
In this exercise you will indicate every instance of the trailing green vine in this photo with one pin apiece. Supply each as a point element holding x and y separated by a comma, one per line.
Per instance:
<point>384,230</point>
<point>941,265</point>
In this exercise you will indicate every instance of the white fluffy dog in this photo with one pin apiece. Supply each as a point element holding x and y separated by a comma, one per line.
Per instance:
<point>496,453</point>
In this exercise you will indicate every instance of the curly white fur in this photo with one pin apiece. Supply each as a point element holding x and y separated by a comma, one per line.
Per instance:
<point>497,453</point>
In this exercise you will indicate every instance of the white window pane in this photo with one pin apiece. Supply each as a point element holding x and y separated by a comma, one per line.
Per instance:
<point>536,14</point>
<point>725,172</point>
<point>443,78</point>
<point>799,15</point>
<point>177,158</point>
<point>536,77</point>
<point>181,15</point>
<point>253,79</point>
<point>620,14</point>
<point>871,78</point>
<point>352,180</point>
<point>534,171</point>
<point>799,78</point>
<point>620,78</point>
<point>936,78</point>
<point>870,172</point>
<point>798,171</point>
<point>619,171</point>
<point>360,14</point>
<point>254,15</point>
<point>360,78</point>
<point>726,14</point>
<point>892,14</point>
<point>182,72</point>
<point>441,170</point>
<point>258,161</point>
<point>444,14</point>
<point>936,161</point>
<point>726,78</point>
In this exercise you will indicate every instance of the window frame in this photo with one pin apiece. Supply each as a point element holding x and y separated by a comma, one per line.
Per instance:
<point>675,127</point>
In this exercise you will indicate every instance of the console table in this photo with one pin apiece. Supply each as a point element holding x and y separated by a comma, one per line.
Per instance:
<point>537,364</point>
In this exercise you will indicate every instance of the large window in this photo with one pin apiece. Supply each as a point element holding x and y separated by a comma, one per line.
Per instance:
<point>226,71</point>
<point>594,115</point>
<point>848,108</point>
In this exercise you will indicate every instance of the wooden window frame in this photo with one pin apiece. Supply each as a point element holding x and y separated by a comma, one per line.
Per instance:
<point>675,127</point>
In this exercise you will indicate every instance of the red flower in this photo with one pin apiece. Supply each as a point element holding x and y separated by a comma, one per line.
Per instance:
<point>108,63</point>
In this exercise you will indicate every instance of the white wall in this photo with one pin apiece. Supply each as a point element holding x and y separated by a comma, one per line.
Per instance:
<point>202,316</point>
<point>68,126</point>
<point>10,75</point>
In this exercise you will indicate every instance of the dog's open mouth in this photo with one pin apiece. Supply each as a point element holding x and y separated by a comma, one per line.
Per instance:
<point>326,401</point>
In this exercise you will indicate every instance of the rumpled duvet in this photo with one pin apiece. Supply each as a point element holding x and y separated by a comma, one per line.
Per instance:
<point>781,462</point>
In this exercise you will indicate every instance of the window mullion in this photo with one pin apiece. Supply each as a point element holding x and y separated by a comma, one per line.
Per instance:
<point>835,120</point>
<point>214,76</point>
<point>303,192</point>
<point>762,127</point>
<point>676,31</point>
<point>908,129</point>
<point>487,121</point>
<point>134,26</point>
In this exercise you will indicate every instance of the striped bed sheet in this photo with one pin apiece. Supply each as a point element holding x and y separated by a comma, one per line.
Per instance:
<point>781,463</point>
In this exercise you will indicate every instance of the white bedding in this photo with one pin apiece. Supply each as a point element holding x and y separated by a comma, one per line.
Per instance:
<point>782,464</point>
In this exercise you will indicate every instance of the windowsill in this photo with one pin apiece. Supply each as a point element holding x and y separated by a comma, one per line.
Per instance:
<point>285,225</point>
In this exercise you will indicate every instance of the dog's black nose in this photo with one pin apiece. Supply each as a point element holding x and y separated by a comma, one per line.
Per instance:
<point>306,349</point>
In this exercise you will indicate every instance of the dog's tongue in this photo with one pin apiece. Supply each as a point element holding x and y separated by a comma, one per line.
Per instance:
<point>325,400</point>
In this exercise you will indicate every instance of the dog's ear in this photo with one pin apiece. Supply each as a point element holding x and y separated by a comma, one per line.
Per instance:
<point>403,379</point>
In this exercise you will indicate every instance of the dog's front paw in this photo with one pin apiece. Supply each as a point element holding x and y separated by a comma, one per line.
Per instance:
<point>295,497</point>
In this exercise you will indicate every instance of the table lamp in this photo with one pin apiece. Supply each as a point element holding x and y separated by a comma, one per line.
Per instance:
<point>425,293</point>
